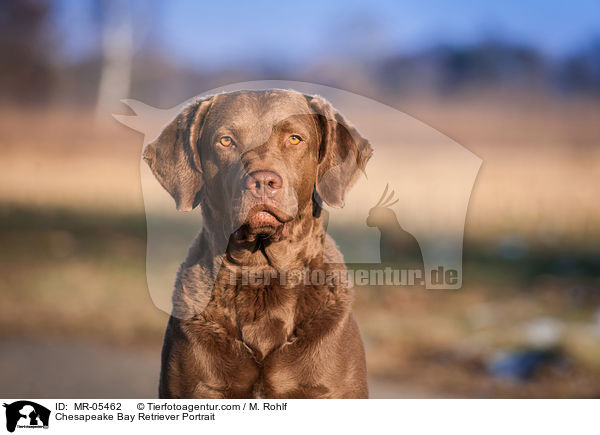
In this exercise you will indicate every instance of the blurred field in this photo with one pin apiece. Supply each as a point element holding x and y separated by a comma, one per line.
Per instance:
<point>73,238</point>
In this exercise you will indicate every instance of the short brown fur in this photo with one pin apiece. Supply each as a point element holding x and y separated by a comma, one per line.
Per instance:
<point>278,339</point>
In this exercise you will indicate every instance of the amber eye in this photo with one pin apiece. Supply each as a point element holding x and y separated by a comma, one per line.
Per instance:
<point>294,139</point>
<point>226,141</point>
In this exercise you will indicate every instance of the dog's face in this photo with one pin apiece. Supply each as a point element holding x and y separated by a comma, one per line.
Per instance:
<point>259,156</point>
<point>256,160</point>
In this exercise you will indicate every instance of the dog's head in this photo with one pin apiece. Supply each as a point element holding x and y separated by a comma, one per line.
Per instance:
<point>257,161</point>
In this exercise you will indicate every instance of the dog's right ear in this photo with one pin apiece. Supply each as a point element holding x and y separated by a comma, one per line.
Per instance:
<point>174,158</point>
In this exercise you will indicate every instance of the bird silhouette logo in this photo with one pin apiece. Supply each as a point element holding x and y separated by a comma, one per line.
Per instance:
<point>397,247</point>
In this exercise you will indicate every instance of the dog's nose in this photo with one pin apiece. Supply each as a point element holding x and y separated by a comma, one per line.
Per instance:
<point>263,183</point>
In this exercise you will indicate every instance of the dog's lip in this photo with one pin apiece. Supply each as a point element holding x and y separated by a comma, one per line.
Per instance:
<point>263,219</point>
<point>268,215</point>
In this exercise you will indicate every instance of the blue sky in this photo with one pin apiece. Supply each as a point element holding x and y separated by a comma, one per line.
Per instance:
<point>219,33</point>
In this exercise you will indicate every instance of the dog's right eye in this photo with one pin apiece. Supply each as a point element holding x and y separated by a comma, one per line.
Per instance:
<point>294,139</point>
<point>226,141</point>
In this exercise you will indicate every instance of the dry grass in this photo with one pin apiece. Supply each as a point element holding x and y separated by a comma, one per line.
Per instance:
<point>64,159</point>
<point>539,178</point>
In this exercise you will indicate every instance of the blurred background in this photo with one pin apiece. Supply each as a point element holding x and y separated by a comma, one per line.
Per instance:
<point>517,83</point>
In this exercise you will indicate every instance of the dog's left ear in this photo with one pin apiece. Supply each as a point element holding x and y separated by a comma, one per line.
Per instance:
<point>343,153</point>
<point>174,158</point>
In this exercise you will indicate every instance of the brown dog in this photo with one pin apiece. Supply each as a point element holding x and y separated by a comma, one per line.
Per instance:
<point>259,163</point>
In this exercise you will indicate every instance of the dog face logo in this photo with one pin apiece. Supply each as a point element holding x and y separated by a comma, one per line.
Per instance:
<point>418,224</point>
<point>26,414</point>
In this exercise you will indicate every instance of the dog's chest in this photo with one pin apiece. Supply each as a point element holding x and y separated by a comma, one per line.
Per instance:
<point>265,317</point>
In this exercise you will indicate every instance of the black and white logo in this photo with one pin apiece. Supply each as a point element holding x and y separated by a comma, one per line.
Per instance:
<point>25,414</point>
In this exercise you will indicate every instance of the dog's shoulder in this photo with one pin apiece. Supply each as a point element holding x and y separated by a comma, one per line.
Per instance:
<point>331,252</point>
<point>196,278</point>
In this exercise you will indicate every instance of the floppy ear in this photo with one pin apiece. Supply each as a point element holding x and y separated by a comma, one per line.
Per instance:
<point>343,153</point>
<point>174,158</point>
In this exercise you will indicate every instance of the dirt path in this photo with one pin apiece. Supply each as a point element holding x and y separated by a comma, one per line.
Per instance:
<point>78,369</point>
<point>68,368</point>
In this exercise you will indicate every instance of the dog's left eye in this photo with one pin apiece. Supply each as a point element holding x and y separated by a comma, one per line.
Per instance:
<point>294,139</point>
<point>226,141</point>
